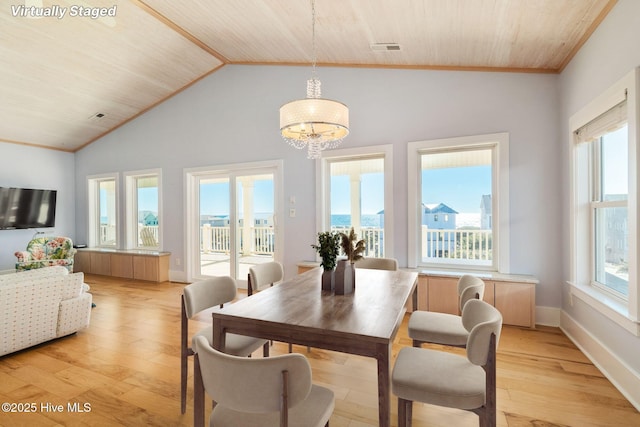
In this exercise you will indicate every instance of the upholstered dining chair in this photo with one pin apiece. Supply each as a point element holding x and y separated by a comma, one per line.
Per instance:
<point>377,263</point>
<point>200,296</point>
<point>444,328</point>
<point>451,380</point>
<point>272,391</point>
<point>264,275</point>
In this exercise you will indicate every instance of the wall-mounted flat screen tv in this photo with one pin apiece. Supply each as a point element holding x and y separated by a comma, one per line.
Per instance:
<point>27,208</point>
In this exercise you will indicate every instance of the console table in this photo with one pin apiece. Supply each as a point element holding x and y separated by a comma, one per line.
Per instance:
<point>151,266</point>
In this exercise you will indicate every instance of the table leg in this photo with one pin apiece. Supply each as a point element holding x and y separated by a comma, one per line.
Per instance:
<point>384,385</point>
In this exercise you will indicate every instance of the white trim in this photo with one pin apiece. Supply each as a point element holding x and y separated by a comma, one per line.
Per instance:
<point>606,305</point>
<point>501,183</point>
<point>94,209</point>
<point>323,216</point>
<point>131,207</point>
<point>178,276</point>
<point>192,203</point>
<point>548,316</point>
<point>623,377</point>
<point>627,315</point>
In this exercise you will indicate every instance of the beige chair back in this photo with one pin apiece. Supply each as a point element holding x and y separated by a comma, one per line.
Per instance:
<point>253,384</point>
<point>468,288</point>
<point>208,293</point>
<point>264,275</point>
<point>377,263</point>
<point>481,320</point>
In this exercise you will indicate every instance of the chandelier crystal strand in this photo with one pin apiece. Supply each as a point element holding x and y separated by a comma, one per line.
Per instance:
<point>314,122</point>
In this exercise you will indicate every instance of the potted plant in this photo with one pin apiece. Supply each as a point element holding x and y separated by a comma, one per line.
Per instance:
<point>328,248</point>
<point>345,274</point>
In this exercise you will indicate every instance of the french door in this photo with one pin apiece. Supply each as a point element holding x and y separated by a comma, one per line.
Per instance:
<point>233,219</point>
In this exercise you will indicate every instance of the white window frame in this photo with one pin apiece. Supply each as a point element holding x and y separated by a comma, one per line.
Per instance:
<point>131,206</point>
<point>624,313</point>
<point>500,197</point>
<point>93,209</point>
<point>323,178</point>
<point>192,206</point>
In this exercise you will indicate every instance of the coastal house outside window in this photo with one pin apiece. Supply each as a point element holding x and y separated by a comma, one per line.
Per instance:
<point>103,211</point>
<point>456,187</point>
<point>356,186</point>
<point>604,207</point>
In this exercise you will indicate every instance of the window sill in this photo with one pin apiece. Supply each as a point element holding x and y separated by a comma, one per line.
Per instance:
<point>605,305</point>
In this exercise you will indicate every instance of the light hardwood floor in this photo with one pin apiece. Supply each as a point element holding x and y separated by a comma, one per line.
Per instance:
<point>125,367</point>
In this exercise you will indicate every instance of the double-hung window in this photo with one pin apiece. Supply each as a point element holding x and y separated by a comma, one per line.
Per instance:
<point>604,208</point>
<point>458,207</point>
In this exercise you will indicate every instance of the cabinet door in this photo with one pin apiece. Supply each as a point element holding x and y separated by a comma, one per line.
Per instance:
<point>122,266</point>
<point>82,262</point>
<point>443,295</point>
<point>489,293</point>
<point>145,268</point>
<point>423,293</point>
<point>101,263</point>
<point>516,302</point>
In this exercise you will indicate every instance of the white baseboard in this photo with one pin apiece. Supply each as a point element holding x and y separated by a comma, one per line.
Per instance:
<point>548,316</point>
<point>625,379</point>
<point>177,276</point>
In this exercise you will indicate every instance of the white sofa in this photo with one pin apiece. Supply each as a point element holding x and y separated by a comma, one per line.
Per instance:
<point>40,305</point>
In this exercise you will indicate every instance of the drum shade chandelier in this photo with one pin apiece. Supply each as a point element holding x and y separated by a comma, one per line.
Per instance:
<point>314,122</point>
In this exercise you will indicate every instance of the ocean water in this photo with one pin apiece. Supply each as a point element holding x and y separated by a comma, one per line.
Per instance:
<point>462,220</point>
<point>345,220</point>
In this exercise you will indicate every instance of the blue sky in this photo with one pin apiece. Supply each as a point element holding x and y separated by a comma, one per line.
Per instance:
<point>214,198</point>
<point>458,188</point>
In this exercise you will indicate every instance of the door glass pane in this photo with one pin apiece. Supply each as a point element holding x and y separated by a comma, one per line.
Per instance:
<point>456,207</point>
<point>215,239</point>
<point>255,226</point>
<point>357,200</point>
<point>147,211</point>
<point>107,207</point>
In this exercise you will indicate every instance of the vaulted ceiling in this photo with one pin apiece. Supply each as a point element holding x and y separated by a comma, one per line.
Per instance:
<point>59,74</point>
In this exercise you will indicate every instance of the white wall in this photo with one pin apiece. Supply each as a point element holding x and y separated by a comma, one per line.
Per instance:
<point>610,53</point>
<point>232,116</point>
<point>30,167</point>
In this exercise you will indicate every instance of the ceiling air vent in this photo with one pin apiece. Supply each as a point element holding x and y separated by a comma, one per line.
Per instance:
<point>385,46</point>
<point>96,116</point>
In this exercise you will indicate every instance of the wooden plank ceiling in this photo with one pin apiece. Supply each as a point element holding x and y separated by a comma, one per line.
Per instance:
<point>56,75</point>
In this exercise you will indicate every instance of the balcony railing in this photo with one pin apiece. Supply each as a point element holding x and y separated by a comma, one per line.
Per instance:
<point>439,244</point>
<point>457,244</point>
<point>373,240</point>
<point>218,239</point>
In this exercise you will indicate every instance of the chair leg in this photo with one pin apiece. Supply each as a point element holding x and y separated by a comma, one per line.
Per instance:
<point>290,348</point>
<point>183,383</point>
<point>405,411</point>
<point>184,354</point>
<point>490,409</point>
<point>417,343</point>
<point>265,350</point>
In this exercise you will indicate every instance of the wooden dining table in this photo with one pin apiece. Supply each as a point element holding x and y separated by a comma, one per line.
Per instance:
<point>297,311</point>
